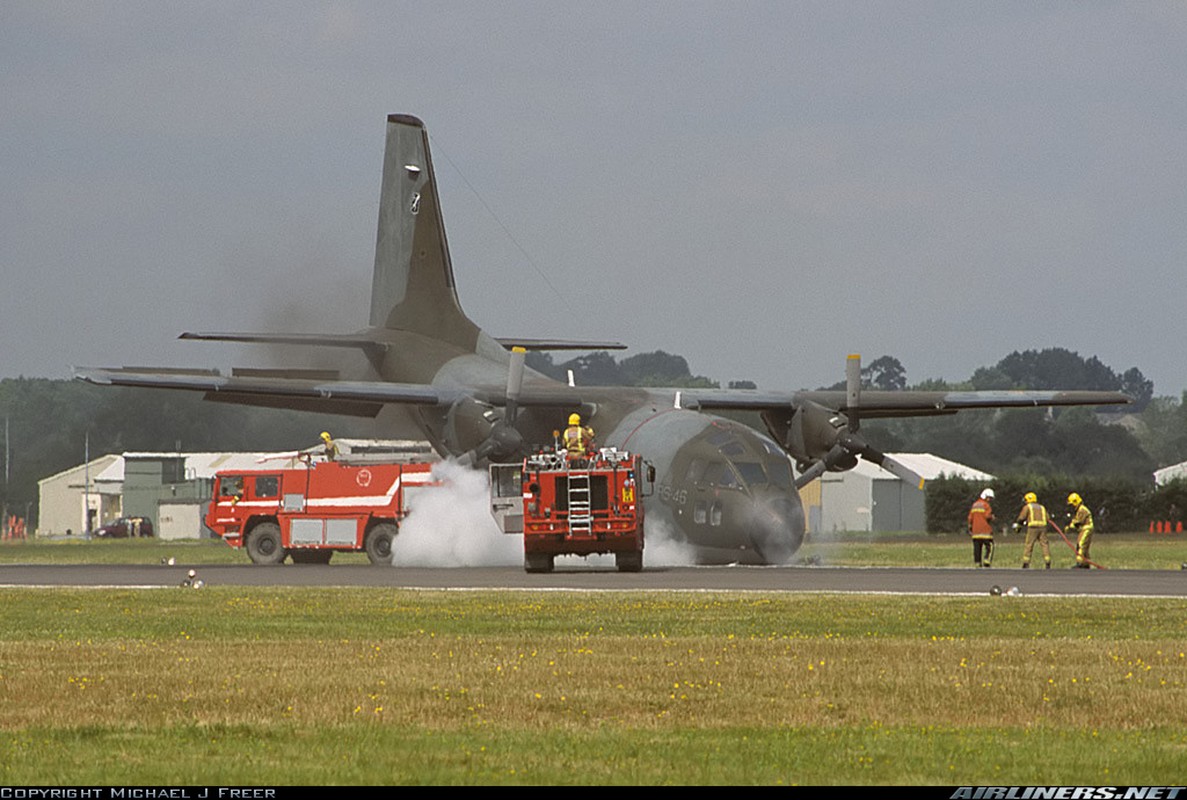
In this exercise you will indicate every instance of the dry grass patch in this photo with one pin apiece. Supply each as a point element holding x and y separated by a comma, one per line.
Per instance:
<point>871,666</point>
<point>366,686</point>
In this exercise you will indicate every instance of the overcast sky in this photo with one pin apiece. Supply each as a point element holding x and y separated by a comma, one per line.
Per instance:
<point>760,187</point>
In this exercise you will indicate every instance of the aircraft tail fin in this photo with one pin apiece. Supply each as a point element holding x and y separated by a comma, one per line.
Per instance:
<point>413,286</point>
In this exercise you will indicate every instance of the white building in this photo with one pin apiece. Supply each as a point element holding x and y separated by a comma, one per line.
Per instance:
<point>1167,474</point>
<point>63,498</point>
<point>868,498</point>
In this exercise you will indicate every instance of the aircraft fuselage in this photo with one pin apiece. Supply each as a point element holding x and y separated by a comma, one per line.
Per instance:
<point>721,488</point>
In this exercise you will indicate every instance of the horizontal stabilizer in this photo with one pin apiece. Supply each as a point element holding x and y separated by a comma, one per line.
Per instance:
<point>273,391</point>
<point>302,339</point>
<point>558,344</point>
<point>364,391</point>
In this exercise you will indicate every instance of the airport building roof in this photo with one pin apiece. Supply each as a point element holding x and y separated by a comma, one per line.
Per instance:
<point>1171,473</point>
<point>926,465</point>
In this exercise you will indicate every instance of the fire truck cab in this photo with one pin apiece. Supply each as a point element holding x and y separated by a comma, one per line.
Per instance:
<point>565,506</point>
<point>314,509</point>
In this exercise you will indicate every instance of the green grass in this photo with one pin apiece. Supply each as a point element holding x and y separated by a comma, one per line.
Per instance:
<point>1114,551</point>
<point>376,686</point>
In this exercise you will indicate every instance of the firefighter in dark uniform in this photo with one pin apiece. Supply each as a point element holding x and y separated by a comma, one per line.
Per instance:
<point>578,438</point>
<point>980,524</point>
<point>1081,522</point>
<point>1035,517</point>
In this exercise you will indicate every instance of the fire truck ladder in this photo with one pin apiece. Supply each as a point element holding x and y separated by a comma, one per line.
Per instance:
<point>580,514</point>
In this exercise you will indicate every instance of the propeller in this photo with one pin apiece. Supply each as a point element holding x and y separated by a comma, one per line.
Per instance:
<point>848,444</point>
<point>505,442</point>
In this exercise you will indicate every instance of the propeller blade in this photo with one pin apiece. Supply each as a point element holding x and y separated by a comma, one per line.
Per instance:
<point>853,391</point>
<point>810,474</point>
<point>897,468</point>
<point>514,384</point>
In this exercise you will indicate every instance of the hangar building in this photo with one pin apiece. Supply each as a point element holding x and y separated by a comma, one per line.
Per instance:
<point>868,498</point>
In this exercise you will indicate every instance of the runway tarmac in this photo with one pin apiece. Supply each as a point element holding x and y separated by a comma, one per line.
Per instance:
<point>891,580</point>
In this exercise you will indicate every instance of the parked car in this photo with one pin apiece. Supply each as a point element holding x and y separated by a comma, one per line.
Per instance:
<point>125,527</point>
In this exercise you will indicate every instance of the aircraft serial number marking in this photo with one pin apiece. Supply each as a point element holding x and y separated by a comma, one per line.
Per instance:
<point>672,495</point>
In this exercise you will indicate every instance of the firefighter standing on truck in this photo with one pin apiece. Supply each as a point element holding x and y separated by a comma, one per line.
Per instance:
<point>1082,522</point>
<point>330,448</point>
<point>578,438</point>
<point>980,525</point>
<point>1034,516</point>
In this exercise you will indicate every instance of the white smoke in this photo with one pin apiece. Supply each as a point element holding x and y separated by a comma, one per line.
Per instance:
<point>661,548</point>
<point>451,525</point>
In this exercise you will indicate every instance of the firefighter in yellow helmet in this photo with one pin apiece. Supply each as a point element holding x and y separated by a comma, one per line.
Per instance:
<point>578,438</point>
<point>1081,522</point>
<point>1035,517</point>
<point>330,448</point>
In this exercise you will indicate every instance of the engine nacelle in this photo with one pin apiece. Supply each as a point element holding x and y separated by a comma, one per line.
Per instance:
<point>808,433</point>
<point>468,423</point>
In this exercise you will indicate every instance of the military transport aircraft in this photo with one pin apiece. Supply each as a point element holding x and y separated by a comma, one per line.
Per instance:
<point>722,487</point>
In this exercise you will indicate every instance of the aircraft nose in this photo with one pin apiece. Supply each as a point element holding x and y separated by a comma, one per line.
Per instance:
<point>776,527</point>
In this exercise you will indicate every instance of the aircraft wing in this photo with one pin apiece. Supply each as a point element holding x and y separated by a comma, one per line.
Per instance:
<point>881,404</point>
<point>873,404</point>
<point>362,398</point>
<point>372,393</point>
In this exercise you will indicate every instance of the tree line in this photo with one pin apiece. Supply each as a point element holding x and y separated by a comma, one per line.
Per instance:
<point>1117,505</point>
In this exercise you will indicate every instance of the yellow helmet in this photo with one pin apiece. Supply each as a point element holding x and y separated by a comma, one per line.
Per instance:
<point>1074,499</point>
<point>1031,497</point>
<point>325,435</point>
<point>574,419</point>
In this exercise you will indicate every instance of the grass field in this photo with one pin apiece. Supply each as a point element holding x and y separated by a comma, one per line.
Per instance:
<point>382,686</point>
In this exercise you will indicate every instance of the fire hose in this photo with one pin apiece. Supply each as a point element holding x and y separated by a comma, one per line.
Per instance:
<point>1074,548</point>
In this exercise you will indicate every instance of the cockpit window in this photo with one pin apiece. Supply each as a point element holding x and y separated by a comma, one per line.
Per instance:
<point>780,471</point>
<point>752,472</point>
<point>696,470</point>
<point>719,474</point>
<point>734,448</point>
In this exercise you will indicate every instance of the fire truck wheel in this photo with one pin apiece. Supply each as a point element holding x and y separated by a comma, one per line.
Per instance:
<point>629,562</point>
<point>537,562</point>
<point>311,556</point>
<point>264,545</point>
<point>379,543</point>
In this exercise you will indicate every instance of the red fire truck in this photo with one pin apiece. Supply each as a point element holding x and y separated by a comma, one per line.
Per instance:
<point>566,506</point>
<point>310,511</point>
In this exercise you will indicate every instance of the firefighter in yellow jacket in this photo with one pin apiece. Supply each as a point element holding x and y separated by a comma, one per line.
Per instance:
<point>1081,522</point>
<point>578,438</point>
<point>329,446</point>
<point>980,524</point>
<point>1035,517</point>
